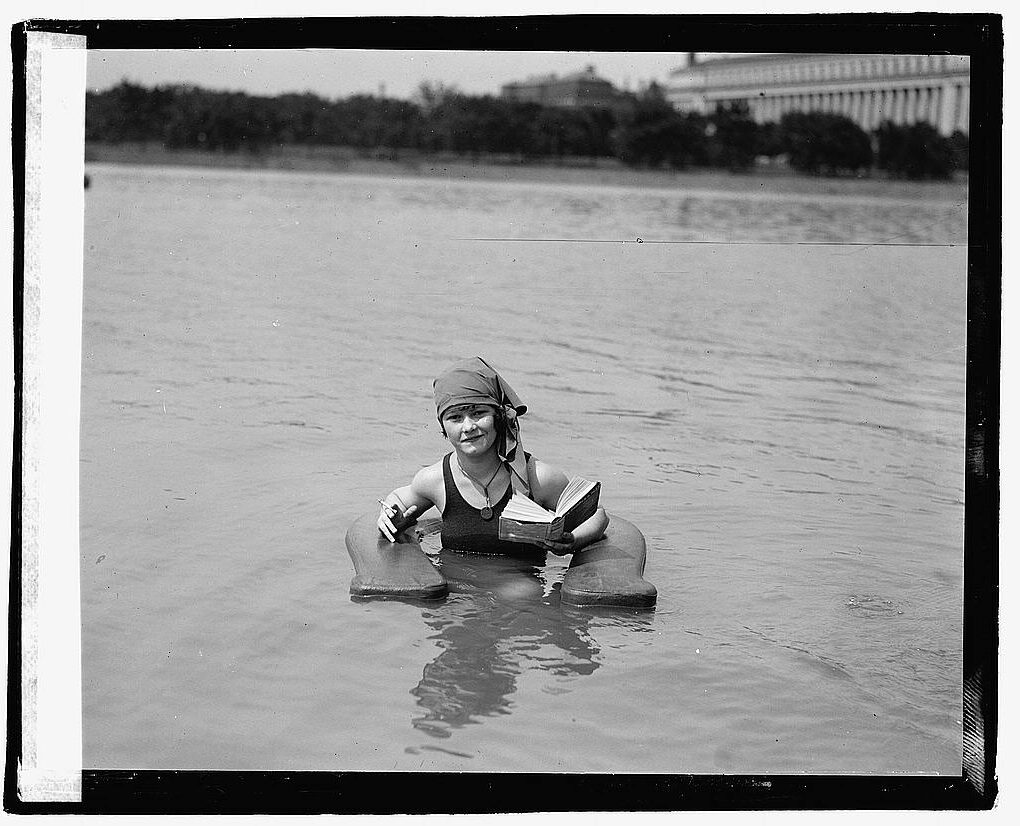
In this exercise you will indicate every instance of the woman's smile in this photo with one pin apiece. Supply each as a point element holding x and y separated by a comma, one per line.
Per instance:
<point>473,438</point>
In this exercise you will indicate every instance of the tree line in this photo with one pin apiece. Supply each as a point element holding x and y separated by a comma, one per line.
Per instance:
<point>644,130</point>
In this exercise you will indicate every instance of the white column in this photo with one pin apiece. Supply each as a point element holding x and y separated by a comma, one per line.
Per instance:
<point>963,120</point>
<point>924,105</point>
<point>947,109</point>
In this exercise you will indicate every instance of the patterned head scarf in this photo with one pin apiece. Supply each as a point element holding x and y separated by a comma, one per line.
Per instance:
<point>474,381</point>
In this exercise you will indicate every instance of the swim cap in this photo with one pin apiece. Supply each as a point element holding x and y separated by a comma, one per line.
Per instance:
<point>475,381</point>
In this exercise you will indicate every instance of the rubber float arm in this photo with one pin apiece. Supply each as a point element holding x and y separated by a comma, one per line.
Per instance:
<point>393,569</point>
<point>609,572</point>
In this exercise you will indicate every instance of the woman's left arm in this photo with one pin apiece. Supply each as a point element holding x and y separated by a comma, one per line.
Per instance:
<point>548,483</point>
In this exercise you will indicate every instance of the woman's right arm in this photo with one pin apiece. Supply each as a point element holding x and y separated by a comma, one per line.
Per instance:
<point>411,500</point>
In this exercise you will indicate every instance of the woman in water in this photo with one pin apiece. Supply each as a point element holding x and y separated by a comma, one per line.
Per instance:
<point>478,412</point>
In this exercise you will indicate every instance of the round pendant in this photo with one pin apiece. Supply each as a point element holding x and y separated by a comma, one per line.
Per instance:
<point>486,513</point>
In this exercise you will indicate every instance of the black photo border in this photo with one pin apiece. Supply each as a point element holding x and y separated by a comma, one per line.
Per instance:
<point>201,792</point>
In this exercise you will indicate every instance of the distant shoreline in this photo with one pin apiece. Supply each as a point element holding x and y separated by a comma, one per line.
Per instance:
<point>601,172</point>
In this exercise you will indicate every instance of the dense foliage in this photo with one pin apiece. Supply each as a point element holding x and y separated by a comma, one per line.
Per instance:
<point>823,142</point>
<point>652,133</point>
<point>643,130</point>
<point>919,151</point>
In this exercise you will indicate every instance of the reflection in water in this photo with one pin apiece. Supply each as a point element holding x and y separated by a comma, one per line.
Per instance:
<point>498,622</point>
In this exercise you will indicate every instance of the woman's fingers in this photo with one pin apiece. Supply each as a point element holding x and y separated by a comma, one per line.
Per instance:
<point>563,545</point>
<point>385,522</point>
<point>386,526</point>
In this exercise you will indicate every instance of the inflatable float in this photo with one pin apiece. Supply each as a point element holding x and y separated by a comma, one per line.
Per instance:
<point>605,573</point>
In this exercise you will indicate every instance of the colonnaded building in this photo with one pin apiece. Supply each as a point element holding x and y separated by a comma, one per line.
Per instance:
<point>868,88</point>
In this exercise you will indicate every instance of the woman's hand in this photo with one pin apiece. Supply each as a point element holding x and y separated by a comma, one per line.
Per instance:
<point>386,515</point>
<point>562,546</point>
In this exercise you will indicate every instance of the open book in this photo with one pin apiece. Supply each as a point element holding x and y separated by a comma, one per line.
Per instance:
<point>523,520</point>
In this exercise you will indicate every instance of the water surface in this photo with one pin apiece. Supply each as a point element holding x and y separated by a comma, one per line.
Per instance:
<point>771,387</point>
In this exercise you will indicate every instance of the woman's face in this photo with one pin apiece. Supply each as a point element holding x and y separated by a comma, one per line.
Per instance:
<point>471,428</point>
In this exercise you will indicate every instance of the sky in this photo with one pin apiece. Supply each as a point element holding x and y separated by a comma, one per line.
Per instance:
<point>335,73</point>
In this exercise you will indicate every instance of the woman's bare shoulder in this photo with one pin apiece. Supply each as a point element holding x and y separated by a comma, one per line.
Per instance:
<point>429,479</point>
<point>545,472</point>
<point>547,481</point>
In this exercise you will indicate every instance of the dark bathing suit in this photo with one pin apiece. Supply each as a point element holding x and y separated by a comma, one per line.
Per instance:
<point>464,529</point>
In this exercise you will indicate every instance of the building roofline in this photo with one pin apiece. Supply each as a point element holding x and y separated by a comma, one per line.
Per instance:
<point>707,59</point>
<point>582,74</point>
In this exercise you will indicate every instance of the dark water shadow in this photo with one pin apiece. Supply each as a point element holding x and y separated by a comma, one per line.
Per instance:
<point>502,618</point>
